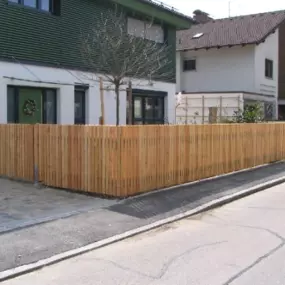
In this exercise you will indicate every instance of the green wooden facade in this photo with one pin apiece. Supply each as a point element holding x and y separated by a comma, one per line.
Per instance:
<point>32,36</point>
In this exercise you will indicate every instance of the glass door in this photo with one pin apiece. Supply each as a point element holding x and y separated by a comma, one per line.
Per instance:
<point>148,110</point>
<point>138,110</point>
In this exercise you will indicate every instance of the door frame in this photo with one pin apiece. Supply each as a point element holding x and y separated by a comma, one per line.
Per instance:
<point>147,94</point>
<point>16,98</point>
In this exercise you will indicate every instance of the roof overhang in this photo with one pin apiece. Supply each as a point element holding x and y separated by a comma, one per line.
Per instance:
<point>218,47</point>
<point>157,11</point>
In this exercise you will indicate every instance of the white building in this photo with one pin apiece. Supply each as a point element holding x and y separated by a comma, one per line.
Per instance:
<point>233,57</point>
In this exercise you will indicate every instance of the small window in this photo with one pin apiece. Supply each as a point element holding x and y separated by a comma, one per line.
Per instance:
<point>268,68</point>
<point>30,3</point>
<point>145,30</point>
<point>45,5</point>
<point>189,65</point>
<point>79,107</point>
<point>197,36</point>
<point>51,6</point>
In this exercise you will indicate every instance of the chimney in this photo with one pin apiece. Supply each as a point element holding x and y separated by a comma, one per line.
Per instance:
<point>201,17</point>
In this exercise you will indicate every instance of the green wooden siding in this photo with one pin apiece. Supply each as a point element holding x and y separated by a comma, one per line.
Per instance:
<point>29,35</point>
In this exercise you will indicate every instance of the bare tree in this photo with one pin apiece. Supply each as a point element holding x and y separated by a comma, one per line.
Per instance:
<point>118,56</point>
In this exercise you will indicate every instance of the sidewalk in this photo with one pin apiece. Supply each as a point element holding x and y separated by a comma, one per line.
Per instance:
<point>41,241</point>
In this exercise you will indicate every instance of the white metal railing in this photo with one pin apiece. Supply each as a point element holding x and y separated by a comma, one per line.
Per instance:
<point>164,5</point>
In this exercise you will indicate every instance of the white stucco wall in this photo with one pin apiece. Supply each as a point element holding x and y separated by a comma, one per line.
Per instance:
<point>218,70</point>
<point>63,80</point>
<point>267,50</point>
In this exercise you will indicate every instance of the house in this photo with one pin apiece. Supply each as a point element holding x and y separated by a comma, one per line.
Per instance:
<point>236,60</point>
<point>42,73</point>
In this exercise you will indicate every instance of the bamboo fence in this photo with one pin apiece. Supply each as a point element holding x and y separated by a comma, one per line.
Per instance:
<point>127,160</point>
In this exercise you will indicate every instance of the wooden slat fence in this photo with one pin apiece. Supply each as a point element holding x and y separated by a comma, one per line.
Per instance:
<point>17,151</point>
<point>123,161</point>
<point>79,158</point>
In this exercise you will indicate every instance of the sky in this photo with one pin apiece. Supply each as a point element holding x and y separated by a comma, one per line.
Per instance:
<point>220,8</point>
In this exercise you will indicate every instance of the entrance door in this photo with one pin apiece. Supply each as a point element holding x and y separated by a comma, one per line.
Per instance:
<point>30,106</point>
<point>148,110</point>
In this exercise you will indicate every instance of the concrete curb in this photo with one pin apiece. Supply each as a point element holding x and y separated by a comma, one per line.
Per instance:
<point>212,178</point>
<point>24,269</point>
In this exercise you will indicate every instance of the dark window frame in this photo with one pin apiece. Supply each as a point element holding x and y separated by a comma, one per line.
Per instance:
<point>54,6</point>
<point>143,94</point>
<point>44,94</point>
<point>189,64</point>
<point>269,68</point>
<point>16,105</point>
<point>82,120</point>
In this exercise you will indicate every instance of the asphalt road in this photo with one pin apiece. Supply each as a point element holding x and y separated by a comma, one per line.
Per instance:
<point>242,243</point>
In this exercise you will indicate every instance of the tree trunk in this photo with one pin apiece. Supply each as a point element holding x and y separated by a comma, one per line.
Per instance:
<point>102,118</point>
<point>117,91</point>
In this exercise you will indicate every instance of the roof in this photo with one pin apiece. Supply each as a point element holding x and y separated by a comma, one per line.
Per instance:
<point>168,8</point>
<point>159,10</point>
<point>242,30</point>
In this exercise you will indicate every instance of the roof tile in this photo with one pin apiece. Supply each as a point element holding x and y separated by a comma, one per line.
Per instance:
<point>230,31</point>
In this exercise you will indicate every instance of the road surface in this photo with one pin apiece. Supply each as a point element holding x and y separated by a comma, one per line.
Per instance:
<point>240,244</point>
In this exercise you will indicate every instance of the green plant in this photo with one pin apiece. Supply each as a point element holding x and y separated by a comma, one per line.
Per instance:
<point>250,114</point>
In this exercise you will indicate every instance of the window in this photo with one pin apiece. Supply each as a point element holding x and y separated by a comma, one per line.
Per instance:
<point>148,108</point>
<point>145,30</point>
<point>12,116</point>
<point>79,107</point>
<point>136,28</point>
<point>189,65</point>
<point>154,33</point>
<point>51,6</point>
<point>268,68</point>
<point>30,3</point>
<point>49,106</point>
<point>45,5</point>
<point>197,36</point>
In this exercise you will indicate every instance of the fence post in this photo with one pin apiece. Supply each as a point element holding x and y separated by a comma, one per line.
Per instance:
<point>36,153</point>
<point>203,109</point>
<point>120,191</point>
<point>221,108</point>
<point>102,118</point>
<point>186,119</point>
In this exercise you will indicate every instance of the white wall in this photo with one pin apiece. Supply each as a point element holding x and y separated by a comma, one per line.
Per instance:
<point>226,69</point>
<point>3,101</point>
<point>63,80</point>
<point>267,50</point>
